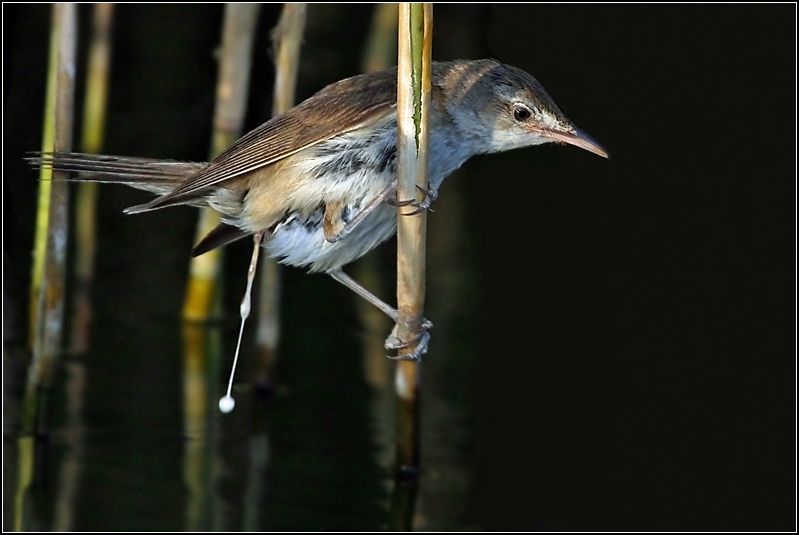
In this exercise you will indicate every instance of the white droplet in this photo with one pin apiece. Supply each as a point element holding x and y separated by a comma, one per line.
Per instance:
<point>226,404</point>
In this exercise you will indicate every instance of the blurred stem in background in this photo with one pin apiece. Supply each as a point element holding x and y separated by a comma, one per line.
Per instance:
<point>47,292</point>
<point>94,110</point>
<point>235,63</point>
<point>286,41</point>
<point>380,52</point>
<point>94,114</point>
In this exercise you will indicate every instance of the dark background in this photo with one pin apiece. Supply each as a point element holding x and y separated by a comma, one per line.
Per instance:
<point>623,353</point>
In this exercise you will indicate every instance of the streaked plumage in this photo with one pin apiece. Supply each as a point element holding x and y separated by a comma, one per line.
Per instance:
<point>303,176</point>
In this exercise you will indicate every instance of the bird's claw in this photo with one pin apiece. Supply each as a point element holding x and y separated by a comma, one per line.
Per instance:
<point>421,341</point>
<point>393,201</point>
<point>430,195</point>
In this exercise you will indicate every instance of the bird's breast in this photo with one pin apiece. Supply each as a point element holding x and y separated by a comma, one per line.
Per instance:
<point>318,190</point>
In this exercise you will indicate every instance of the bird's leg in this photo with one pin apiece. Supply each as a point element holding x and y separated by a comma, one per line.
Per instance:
<point>350,283</point>
<point>385,194</point>
<point>392,342</point>
<point>389,195</point>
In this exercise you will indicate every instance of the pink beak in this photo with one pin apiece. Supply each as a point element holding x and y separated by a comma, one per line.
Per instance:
<point>578,138</point>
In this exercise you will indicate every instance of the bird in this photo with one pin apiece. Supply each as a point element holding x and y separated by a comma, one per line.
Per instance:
<point>319,181</point>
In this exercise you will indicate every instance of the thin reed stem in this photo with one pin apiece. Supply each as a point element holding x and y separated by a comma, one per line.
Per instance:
<point>413,99</point>
<point>94,110</point>
<point>235,62</point>
<point>238,34</point>
<point>52,236</point>
<point>47,303</point>
<point>287,43</point>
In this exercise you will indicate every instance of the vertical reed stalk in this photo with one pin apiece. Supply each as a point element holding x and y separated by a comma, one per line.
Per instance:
<point>231,102</point>
<point>52,228</point>
<point>381,44</point>
<point>287,42</point>
<point>94,108</point>
<point>413,99</point>
<point>380,52</point>
<point>47,292</point>
<point>235,59</point>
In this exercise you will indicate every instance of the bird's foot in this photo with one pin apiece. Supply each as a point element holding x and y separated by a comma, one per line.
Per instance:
<point>430,195</point>
<point>393,343</point>
<point>393,201</point>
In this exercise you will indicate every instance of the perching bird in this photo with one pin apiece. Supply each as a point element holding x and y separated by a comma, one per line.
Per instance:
<point>319,180</point>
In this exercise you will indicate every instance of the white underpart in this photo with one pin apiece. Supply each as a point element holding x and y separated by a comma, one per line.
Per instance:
<point>296,243</point>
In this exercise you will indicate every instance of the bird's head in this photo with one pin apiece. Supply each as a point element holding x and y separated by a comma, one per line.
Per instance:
<point>500,107</point>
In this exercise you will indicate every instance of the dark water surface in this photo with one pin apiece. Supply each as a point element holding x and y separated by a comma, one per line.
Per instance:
<point>137,442</point>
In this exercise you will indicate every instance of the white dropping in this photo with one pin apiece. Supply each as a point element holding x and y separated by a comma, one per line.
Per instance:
<point>226,403</point>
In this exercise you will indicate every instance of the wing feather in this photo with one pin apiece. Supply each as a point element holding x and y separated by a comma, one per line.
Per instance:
<point>338,108</point>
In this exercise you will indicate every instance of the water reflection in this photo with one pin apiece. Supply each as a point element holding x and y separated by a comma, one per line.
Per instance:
<point>126,454</point>
<point>136,441</point>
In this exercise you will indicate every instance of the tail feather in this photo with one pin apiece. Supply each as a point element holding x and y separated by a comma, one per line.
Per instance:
<point>157,176</point>
<point>221,235</point>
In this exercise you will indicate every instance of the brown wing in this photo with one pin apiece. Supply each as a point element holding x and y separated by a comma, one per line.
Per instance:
<point>340,107</point>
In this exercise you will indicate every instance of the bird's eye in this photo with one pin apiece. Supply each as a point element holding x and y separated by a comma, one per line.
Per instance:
<point>521,113</point>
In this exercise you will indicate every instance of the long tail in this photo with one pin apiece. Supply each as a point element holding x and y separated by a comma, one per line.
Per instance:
<point>157,176</point>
